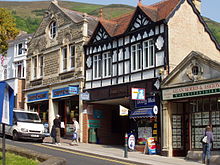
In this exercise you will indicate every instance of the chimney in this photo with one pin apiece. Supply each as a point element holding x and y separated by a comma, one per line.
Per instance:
<point>197,4</point>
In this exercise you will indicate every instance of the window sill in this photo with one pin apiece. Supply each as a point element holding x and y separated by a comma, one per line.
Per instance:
<point>36,79</point>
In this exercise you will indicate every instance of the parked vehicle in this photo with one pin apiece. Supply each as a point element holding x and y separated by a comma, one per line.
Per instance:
<point>26,125</point>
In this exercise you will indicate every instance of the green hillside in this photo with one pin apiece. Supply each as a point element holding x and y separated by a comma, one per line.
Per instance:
<point>29,14</point>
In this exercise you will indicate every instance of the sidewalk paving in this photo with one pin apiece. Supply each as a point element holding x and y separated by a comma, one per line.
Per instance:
<point>117,152</point>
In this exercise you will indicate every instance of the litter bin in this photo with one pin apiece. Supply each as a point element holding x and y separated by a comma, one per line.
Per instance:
<point>92,135</point>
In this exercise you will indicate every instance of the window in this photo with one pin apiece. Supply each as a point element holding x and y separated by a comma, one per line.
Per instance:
<point>97,66</point>
<point>5,72</point>
<point>64,55</point>
<point>35,67</point>
<point>41,64</point>
<point>148,56</point>
<point>19,69</point>
<point>195,70</point>
<point>19,49</point>
<point>53,29</point>
<point>107,64</point>
<point>72,56</point>
<point>136,59</point>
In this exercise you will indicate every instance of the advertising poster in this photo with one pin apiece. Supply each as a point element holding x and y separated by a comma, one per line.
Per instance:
<point>143,134</point>
<point>131,141</point>
<point>151,145</point>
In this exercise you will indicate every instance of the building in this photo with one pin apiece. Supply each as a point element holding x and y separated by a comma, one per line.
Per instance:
<point>191,101</point>
<point>55,64</point>
<point>13,66</point>
<point>132,53</point>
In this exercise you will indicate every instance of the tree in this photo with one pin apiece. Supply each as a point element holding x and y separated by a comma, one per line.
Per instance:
<point>8,29</point>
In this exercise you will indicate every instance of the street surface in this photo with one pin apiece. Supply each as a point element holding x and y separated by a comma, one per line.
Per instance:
<point>72,157</point>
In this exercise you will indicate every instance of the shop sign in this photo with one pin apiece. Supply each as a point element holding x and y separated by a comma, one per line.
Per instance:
<point>85,96</point>
<point>38,96</point>
<point>94,123</point>
<point>191,91</point>
<point>138,93</point>
<point>66,91</point>
<point>149,102</point>
<point>123,110</point>
<point>131,141</point>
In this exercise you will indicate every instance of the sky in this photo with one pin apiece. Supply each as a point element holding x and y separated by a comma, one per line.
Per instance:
<point>210,8</point>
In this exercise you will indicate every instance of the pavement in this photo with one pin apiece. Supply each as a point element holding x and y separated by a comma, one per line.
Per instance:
<point>117,152</point>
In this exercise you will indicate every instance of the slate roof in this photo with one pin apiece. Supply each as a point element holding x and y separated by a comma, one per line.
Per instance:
<point>21,37</point>
<point>156,12</point>
<point>78,17</point>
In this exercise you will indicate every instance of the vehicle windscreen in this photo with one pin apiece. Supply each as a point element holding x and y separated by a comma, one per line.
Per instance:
<point>27,117</point>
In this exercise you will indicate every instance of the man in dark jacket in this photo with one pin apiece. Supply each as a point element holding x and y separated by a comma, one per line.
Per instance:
<point>57,126</point>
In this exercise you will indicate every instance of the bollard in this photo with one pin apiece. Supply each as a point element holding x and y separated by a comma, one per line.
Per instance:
<point>126,146</point>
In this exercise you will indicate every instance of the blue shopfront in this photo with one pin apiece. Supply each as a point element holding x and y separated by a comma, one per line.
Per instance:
<point>66,102</point>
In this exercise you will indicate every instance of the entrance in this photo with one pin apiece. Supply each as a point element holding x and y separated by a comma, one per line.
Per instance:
<point>180,128</point>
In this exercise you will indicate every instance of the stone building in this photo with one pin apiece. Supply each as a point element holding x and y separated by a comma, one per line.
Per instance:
<point>129,55</point>
<point>55,64</point>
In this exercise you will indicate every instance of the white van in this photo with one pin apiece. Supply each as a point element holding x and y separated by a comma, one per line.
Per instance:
<point>26,125</point>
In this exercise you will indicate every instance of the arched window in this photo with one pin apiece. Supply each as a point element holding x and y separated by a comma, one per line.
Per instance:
<point>53,29</point>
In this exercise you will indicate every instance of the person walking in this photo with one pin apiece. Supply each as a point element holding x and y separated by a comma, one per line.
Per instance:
<point>57,126</point>
<point>207,145</point>
<point>75,138</point>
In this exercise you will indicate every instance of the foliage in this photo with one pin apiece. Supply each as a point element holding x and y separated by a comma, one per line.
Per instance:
<point>39,12</point>
<point>27,24</point>
<point>8,29</point>
<point>214,28</point>
<point>12,159</point>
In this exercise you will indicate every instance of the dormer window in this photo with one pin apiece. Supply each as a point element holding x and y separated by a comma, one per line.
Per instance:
<point>53,29</point>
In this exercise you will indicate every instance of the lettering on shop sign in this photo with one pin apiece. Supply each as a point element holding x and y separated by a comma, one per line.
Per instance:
<point>191,91</point>
<point>149,102</point>
<point>38,96</point>
<point>65,91</point>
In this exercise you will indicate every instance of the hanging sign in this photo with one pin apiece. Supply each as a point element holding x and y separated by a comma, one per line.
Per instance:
<point>123,111</point>
<point>138,93</point>
<point>85,96</point>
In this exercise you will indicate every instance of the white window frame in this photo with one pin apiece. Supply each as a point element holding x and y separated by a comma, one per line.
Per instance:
<point>72,56</point>
<point>53,29</point>
<point>19,51</point>
<point>136,57</point>
<point>17,64</point>
<point>34,64</point>
<point>97,66</point>
<point>148,57</point>
<point>106,65</point>
<point>64,58</point>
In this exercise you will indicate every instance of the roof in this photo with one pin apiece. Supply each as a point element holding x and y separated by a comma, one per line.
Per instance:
<point>78,17</point>
<point>156,12</point>
<point>21,37</point>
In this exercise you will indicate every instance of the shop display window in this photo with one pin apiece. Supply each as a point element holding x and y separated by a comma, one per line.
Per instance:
<point>205,111</point>
<point>176,131</point>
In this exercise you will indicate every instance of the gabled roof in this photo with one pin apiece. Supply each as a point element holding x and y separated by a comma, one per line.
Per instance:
<point>156,12</point>
<point>77,17</point>
<point>185,63</point>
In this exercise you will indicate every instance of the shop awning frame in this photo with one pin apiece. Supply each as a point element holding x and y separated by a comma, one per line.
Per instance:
<point>142,113</point>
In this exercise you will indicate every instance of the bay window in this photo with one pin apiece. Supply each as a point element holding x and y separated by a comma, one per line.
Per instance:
<point>148,53</point>
<point>107,64</point>
<point>136,57</point>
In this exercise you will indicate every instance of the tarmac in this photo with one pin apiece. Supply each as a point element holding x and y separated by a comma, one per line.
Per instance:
<point>117,152</point>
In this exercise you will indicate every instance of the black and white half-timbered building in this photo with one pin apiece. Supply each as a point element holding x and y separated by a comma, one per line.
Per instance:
<point>127,57</point>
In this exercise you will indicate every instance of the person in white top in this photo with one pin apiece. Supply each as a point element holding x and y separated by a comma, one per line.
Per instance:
<point>76,129</point>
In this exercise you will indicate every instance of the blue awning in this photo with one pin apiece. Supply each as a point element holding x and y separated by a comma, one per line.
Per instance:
<point>142,113</point>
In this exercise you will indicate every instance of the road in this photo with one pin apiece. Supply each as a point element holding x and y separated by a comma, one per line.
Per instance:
<point>72,157</point>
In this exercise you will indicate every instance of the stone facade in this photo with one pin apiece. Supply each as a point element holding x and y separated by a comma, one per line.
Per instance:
<point>72,30</point>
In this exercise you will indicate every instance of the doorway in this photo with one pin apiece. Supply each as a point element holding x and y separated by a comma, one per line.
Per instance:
<point>180,128</point>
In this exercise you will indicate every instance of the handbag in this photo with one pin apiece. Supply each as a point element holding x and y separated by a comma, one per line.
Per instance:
<point>204,139</point>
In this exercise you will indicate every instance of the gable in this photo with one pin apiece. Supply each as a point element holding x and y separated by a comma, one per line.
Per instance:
<point>100,34</point>
<point>139,20</point>
<point>195,68</point>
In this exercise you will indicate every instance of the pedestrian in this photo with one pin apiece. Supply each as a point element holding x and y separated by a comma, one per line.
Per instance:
<point>75,138</point>
<point>57,126</point>
<point>53,134</point>
<point>207,145</point>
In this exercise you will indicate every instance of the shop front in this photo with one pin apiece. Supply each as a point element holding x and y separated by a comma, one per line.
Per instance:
<point>191,101</point>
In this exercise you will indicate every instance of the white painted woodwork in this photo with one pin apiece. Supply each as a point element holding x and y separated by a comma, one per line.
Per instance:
<point>160,58</point>
<point>135,76</point>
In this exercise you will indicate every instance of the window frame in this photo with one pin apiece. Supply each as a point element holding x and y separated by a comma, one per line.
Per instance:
<point>64,59</point>
<point>148,59</point>
<point>136,57</point>
<point>41,65</point>
<point>53,29</point>
<point>106,64</point>
<point>97,66</point>
<point>72,56</point>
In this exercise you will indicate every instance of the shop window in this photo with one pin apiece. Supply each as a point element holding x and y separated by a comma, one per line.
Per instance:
<point>208,114</point>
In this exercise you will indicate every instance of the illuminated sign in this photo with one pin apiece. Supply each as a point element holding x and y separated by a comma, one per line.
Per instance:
<point>137,93</point>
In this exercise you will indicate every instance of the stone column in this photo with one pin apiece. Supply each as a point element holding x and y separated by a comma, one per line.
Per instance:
<point>51,112</point>
<point>165,131</point>
<point>81,111</point>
